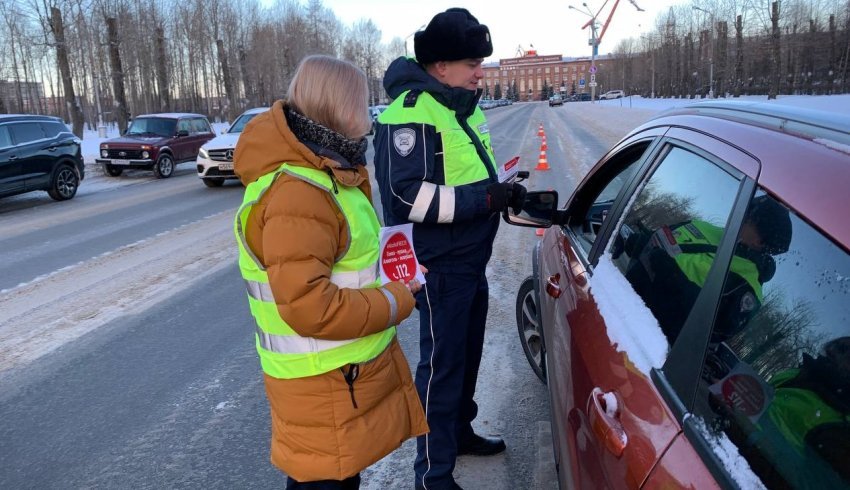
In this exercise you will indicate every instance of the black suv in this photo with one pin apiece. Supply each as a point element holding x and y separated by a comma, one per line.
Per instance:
<point>39,153</point>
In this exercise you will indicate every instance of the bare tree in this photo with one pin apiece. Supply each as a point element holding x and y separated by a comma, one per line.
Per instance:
<point>58,30</point>
<point>117,75</point>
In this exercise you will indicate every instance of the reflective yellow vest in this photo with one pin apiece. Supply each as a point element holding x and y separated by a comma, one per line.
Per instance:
<point>284,353</point>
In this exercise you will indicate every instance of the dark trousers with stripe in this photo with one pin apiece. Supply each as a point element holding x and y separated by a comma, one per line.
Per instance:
<point>452,314</point>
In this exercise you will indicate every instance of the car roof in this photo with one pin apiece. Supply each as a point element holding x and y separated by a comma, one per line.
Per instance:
<point>27,117</point>
<point>804,154</point>
<point>256,110</point>
<point>171,115</point>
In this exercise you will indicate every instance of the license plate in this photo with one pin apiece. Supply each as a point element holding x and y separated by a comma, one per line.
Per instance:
<point>119,161</point>
<point>225,166</point>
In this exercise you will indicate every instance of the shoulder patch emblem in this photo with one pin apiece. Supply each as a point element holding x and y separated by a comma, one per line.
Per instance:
<point>404,140</point>
<point>483,129</point>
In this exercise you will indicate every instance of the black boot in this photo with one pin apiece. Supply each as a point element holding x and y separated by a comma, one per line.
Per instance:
<point>480,446</point>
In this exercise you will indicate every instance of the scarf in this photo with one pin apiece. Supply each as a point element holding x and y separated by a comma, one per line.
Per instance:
<point>327,142</point>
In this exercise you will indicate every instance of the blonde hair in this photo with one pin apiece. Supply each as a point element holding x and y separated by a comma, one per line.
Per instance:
<point>332,92</point>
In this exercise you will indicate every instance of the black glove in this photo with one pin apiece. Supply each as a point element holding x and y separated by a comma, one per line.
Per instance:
<point>501,195</point>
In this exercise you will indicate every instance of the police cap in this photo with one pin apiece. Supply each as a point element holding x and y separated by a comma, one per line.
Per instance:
<point>452,35</point>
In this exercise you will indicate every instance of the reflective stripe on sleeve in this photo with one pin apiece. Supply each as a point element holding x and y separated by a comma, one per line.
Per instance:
<point>423,202</point>
<point>356,279</point>
<point>393,306</point>
<point>447,204</point>
<point>293,344</point>
<point>262,291</point>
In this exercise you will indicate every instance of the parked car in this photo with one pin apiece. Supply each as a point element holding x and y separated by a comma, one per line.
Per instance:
<point>374,112</point>
<point>156,142</point>
<point>689,308</point>
<point>215,157</point>
<point>582,97</point>
<point>39,153</point>
<point>612,94</point>
<point>555,100</point>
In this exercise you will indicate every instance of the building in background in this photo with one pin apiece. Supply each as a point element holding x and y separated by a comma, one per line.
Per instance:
<point>536,77</point>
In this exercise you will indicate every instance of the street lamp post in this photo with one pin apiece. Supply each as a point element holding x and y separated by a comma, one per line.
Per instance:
<point>595,46</point>
<point>411,35</point>
<point>711,52</point>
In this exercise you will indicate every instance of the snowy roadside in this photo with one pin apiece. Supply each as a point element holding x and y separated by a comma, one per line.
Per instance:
<point>38,317</point>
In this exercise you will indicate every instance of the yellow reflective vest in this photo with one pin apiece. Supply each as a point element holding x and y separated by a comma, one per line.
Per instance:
<point>283,353</point>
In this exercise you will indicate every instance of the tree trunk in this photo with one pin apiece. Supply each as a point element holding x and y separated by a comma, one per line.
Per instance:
<point>246,77</point>
<point>739,55</point>
<point>228,83</point>
<point>65,69</point>
<point>721,57</point>
<point>120,105</point>
<point>774,52</point>
<point>831,66</point>
<point>161,74</point>
<point>18,94</point>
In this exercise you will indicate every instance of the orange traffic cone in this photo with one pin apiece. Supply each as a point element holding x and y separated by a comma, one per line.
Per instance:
<point>540,131</point>
<point>542,164</point>
<point>544,146</point>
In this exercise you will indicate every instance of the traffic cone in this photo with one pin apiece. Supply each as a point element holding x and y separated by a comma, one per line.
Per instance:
<point>542,164</point>
<point>540,131</point>
<point>543,145</point>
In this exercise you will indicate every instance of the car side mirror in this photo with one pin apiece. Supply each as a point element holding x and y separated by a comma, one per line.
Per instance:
<point>539,210</point>
<point>183,132</point>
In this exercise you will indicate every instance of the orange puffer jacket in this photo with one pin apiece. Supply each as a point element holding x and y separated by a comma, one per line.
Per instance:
<point>297,232</point>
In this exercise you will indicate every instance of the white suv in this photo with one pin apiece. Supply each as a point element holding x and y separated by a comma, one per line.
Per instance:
<point>613,94</point>
<point>215,158</point>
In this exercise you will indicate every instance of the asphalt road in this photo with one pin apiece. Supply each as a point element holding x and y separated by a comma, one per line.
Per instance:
<point>170,396</point>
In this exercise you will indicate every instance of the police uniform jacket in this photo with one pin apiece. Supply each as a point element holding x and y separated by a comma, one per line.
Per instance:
<point>433,163</point>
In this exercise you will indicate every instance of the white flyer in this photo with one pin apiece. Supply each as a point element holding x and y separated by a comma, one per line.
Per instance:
<point>397,259</point>
<point>508,170</point>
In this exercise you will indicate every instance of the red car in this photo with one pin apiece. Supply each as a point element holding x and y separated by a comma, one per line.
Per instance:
<point>156,142</point>
<point>689,307</point>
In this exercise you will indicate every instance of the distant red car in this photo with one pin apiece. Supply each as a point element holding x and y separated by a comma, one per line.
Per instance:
<point>689,308</point>
<point>156,142</point>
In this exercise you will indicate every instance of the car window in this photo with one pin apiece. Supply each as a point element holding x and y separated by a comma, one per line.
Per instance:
<point>5,138</point>
<point>667,240</point>
<point>776,379</point>
<point>200,125</point>
<point>51,129</point>
<point>153,126</point>
<point>240,123</point>
<point>593,203</point>
<point>26,131</point>
<point>184,125</point>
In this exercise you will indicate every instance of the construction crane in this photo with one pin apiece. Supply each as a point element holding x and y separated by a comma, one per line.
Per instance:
<point>596,39</point>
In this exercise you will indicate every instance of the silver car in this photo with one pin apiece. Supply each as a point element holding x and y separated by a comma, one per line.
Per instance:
<point>215,158</point>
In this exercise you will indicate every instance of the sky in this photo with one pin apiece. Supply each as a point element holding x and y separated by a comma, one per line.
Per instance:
<point>549,25</point>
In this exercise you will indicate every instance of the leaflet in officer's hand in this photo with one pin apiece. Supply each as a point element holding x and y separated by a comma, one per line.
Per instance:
<point>508,170</point>
<point>398,260</point>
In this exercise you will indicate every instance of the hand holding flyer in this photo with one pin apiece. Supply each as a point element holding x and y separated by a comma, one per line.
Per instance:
<point>509,170</point>
<point>397,259</point>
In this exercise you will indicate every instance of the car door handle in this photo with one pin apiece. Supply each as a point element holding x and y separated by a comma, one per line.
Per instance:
<point>553,288</point>
<point>13,157</point>
<point>603,411</point>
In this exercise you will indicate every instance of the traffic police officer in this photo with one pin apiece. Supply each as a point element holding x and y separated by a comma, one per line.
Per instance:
<point>435,168</point>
